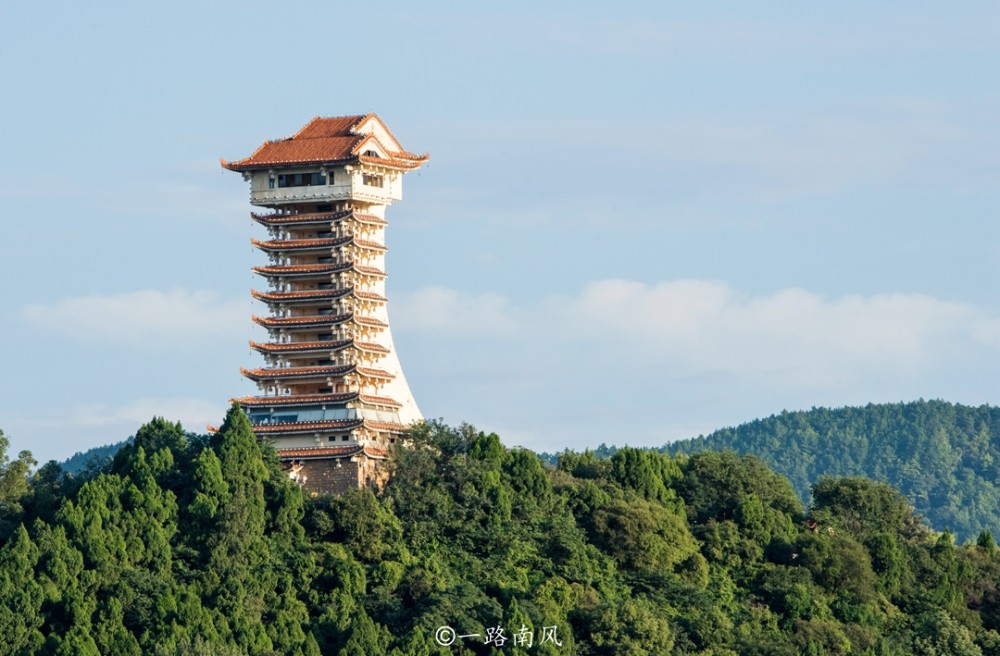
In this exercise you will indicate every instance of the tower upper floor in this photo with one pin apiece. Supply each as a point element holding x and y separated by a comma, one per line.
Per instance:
<point>328,160</point>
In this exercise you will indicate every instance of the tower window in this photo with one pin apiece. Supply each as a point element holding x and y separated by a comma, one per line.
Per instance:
<point>301,179</point>
<point>373,180</point>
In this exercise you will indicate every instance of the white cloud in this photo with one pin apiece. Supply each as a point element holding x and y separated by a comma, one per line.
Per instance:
<point>149,318</point>
<point>61,433</point>
<point>622,361</point>
<point>194,414</point>
<point>444,310</point>
<point>685,328</point>
<point>697,325</point>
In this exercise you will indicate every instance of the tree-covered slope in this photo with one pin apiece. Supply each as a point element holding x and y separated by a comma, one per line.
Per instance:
<point>93,458</point>
<point>944,457</point>
<point>193,547</point>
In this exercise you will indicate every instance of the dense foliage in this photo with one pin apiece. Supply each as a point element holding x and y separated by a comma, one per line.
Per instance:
<point>196,546</point>
<point>944,457</point>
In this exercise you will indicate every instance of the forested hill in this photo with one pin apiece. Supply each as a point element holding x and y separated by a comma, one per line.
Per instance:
<point>202,546</point>
<point>198,546</point>
<point>944,457</point>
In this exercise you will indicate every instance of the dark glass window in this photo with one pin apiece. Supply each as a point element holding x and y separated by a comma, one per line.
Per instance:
<point>301,179</point>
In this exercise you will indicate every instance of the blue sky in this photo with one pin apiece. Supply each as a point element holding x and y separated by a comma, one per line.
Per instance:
<point>640,222</point>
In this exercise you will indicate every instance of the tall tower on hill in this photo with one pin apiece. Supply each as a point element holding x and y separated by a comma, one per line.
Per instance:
<point>333,396</point>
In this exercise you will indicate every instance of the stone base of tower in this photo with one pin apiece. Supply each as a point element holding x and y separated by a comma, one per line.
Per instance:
<point>336,470</point>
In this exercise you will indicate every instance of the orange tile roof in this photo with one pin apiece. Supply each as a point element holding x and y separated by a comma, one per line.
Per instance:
<point>316,218</point>
<point>369,270</point>
<point>384,426</point>
<point>291,270</point>
<point>315,295</point>
<point>374,373</point>
<point>298,399</point>
<point>391,162</point>
<point>291,347</point>
<point>316,399</point>
<point>306,218</point>
<point>300,244</point>
<point>369,296</point>
<point>306,270</point>
<point>369,218</point>
<point>324,140</point>
<point>302,322</point>
<point>317,320</point>
<point>338,452</point>
<point>330,126</point>
<point>370,321</point>
<point>379,400</point>
<point>284,373</point>
<point>319,452</point>
<point>306,427</point>
<point>282,245</point>
<point>303,296</point>
<point>371,346</point>
<point>374,245</point>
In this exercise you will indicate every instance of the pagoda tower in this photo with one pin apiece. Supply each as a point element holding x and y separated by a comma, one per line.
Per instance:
<point>332,393</point>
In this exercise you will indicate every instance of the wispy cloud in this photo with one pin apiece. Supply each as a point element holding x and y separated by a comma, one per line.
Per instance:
<point>705,324</point>
<point>659,359</point>
<point>447,311</point>
<point>97,424</point>
<point>194,414</point>
<point>698,325</point>
<point>149,318</point>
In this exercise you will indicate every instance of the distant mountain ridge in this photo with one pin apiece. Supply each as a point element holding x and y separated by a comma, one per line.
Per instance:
<point>81,461</point>
<point>944,457</point>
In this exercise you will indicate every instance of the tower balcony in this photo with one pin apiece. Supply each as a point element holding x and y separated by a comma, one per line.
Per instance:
<point>341,352</point>
<point>380,187</point>
<point>304,297</point>
<point>280,246</point>
<point>316,220</point>
<point>301,272</point>
<point>296,381</point>
<point>301,324</point>
<point>306,400</point>
<point>346,297</point>
<point>325,245</point>
<point>315,323</point>
<point>346,273</point>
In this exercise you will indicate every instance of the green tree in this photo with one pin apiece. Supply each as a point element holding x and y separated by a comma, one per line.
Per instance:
<point>13,486</point>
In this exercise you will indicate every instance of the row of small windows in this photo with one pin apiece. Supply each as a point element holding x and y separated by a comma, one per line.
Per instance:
<point>318,179</point>
<point>300,180</point>
<point>328,414</point>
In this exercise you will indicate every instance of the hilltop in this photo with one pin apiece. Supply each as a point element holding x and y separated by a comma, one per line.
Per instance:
<point>944,457</point>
